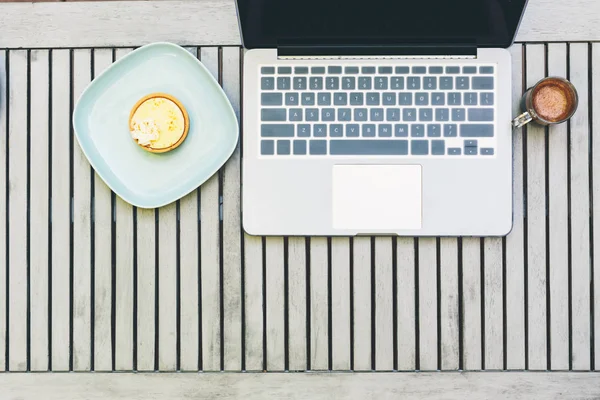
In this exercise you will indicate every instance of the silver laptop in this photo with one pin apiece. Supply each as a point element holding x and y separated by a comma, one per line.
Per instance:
<point>377,117</point>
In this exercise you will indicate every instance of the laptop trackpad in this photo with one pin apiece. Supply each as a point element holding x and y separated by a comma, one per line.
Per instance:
<point>377,197</point>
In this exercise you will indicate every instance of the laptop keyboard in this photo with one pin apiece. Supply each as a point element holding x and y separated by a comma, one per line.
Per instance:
<point>377,111</point>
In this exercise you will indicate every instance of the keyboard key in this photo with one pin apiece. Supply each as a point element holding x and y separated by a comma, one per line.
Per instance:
<point>419,147</point>
<point>312,114</point>
<point>454,151</point>
<point>356,99</point>
<point>272,114</point>
<point>446,83</point>
<point>344,114</point>
<point>379,147</point>
<point>301,70</point>
<point>434,130</point>
<point>381,83</point>
<point>385,130</point>
<point>368,130</point>
<point>267,83</point>
<point>299,147</point>
<point>397,83</point>
<point>442,114</point>
<point>334,70</point>
<point>299,83</point>
<point>413,83</point>
<point>487,151</point>
<point>376,114</point>
<point>438,147</point>
<point>422,99</point>
<point>436,70</point>
<point>277,130</point>
<point>295,114</point>
<point>324,99</point>
<point>364,83</point>
<point>271,99</point>
<point>486,99</point>
<point>291,99</point>
<point>477,130</point>
<point>352,130</point>
<point>303,130</point>
<point>401,130</point>
<point>385,70</point>
<point>284,70</point>
<point>267,70</point>
<point>332,83</point>
<point>368,70</point>
<point>283,147</point>
<point>349,83</point>
<point>454,99</point>
<point>351,70</point>
<point>316,83</point>
<point>419,70</point>
<point>486,70</point>
<point>450,130</point>
<point>438,99</point>
<point>453,70</point>
<point>372,99</point>
<point>481,114</point>
<point>283,83</point>
<point>409,114</point>
<point>317,70</point>
<point>340,99</point>
<point>417,130</point>
<point>267,147</point>
<point>360,114</point>
<point>469,70</point>
<point>425,114</point>
<point>470,143</point>
<point>462,83</point>
<point>328,114</point>
<point>336,130</point>
<point>470,99</point>
<point>405,99</point>
<point>458,114</point>
<point>430,83</point>
<point>389,99</point>
<point>320,130</point>
<point>392,114</point>
<point>318,147</point>
<point>402,70</point>
<point>483,83</point>
<point>308,99</point>
<point>470,151</point>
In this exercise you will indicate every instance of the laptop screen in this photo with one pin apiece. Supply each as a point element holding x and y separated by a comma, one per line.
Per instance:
<point>486,23</point>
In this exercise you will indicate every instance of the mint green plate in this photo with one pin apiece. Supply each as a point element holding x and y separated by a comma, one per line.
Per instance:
<point>101,123</point>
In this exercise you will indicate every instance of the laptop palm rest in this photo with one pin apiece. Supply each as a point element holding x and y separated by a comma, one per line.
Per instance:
<point>377,197</point>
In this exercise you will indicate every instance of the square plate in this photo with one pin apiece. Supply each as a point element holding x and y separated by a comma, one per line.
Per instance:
<point>101,123</point>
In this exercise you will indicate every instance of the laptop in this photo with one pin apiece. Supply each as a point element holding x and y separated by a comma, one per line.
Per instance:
<point>378,117</point>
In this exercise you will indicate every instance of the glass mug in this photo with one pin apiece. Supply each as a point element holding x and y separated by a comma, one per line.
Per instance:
<point>551,101</point>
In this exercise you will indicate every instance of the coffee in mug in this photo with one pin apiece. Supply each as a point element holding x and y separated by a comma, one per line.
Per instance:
<point>550,101</point>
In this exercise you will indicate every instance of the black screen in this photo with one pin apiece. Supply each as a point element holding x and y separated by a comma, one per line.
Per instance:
<point>486,23</point>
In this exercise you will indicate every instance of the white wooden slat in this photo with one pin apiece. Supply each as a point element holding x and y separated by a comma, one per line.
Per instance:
<point>428,338</point>
<point>558,213</point>
<point>275,326</point>
<point>210,251</point>
<point>515,292</point>
<point>596,197</point>
<point>17,211</point>
<point>471,292</point>
<point>406,319</point>
<point>536,222</point>
<point>316,386</point>
<point>449,320</point>
<point>361,287</point>
<point>580,212</point>
<point>340,303</point>
<point>3,154</point>
<point>296,304</point>
<point>319,346</point>
<point>253,302</point>
<point>39,211</point>
<point>493,334</point>
<point>102,252</point>
<point>146,289</point>
<point>232,251</point>
<point>61,209</point>
<point>167,288</point>
<point>384,303</point>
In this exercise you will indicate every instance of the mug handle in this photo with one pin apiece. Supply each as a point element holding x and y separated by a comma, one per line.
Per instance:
<point>522,120</point>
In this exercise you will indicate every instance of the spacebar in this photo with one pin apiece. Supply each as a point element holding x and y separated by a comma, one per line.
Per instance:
<point>368,147</point>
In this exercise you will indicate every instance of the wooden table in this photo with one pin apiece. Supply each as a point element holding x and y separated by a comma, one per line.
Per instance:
<point>90,283</point>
